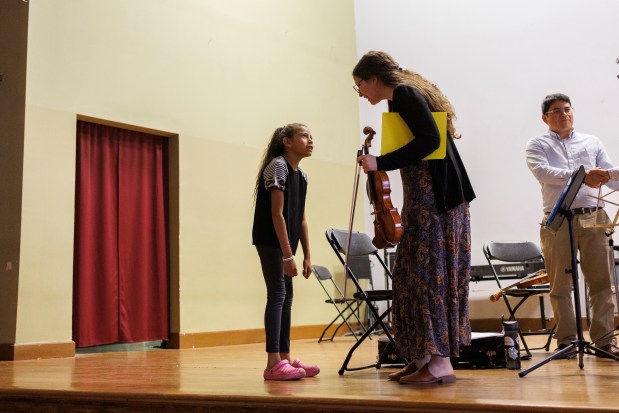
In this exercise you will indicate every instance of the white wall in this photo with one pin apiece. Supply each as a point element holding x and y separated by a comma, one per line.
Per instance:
<point>496,61</point>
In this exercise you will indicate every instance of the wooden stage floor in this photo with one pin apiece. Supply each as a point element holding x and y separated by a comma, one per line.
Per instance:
<point>229,379</point>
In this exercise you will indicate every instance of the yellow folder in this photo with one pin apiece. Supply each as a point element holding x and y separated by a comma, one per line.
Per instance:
<point>397,134</point>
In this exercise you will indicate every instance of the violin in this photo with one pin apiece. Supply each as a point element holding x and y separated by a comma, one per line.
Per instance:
<point>388,227</point>
<point>538,277</point>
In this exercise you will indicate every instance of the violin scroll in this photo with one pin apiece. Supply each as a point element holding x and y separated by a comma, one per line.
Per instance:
<point>495,297</point>
<point>368,140</point>
<point>369,131</point>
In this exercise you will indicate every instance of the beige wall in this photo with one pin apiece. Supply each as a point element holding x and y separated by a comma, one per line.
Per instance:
<point>46,272</point>
<point>222,75</point>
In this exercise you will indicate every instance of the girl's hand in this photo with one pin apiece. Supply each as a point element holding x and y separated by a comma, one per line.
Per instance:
<point>307,267</point>
<point>368,162</point>
<point>290,268</point>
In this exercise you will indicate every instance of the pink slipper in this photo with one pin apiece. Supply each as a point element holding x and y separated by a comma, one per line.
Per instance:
<point>310,370</point>
<point>284,371</point>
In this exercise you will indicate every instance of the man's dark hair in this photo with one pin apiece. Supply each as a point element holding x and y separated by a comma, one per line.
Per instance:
<point>550,99</point>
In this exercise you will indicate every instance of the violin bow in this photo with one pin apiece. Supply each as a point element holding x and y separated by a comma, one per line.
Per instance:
<point>352,217</point>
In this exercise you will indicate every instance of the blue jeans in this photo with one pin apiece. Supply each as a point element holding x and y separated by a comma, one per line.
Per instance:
<point>279,300</point>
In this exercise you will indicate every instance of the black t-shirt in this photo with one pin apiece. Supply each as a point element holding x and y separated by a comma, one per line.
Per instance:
<point>279,176</point>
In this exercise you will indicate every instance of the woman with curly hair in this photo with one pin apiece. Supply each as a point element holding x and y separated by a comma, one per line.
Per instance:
<point>433,261</point>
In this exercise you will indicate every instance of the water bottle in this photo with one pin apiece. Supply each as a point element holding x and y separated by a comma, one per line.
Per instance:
<point>512,348</point>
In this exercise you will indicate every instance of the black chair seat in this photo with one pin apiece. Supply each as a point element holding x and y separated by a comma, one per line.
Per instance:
<point>522,292</point>
<point>341,300</point>
<point>375,295</point>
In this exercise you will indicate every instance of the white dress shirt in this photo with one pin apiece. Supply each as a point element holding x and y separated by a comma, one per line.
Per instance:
<point>553,160</point>
<point>614,174</point>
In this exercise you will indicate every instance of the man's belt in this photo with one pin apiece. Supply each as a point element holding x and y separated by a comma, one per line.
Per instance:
<point>579,211</point>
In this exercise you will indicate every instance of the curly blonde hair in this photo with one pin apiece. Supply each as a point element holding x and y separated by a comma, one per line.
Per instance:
<point>382,65</point>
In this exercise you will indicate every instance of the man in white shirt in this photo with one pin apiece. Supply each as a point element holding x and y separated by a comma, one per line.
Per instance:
<point>553,158</point>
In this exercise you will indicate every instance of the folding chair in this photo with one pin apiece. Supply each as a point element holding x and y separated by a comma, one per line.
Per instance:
<point>346,307</point>
<point>528,257</point>
<point>361,245</point>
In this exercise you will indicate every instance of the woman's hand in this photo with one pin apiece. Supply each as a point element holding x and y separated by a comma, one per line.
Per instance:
<point>368,162</point>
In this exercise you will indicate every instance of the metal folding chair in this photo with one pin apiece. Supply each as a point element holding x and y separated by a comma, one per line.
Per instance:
<point>361,245</point>
<point>528,256</point>
<point>346,307</point>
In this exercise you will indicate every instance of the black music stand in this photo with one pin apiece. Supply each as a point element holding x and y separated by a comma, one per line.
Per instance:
<point>553,223</point>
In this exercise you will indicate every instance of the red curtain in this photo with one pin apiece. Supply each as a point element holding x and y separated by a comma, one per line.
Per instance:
<point>120,291</point>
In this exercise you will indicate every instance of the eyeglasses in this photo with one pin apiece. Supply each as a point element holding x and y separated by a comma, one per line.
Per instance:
<point>560,111</point>
<point>356,86</point>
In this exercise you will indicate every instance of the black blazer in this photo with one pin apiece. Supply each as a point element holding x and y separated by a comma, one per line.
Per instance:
<point>450,181</point>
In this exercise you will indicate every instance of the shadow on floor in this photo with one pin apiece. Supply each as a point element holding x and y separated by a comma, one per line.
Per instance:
<point>143,346</point>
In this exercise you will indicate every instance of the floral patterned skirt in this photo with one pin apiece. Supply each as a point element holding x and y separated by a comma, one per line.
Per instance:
<point>432,273</point>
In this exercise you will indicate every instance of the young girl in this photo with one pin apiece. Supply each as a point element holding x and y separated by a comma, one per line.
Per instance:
<point>279,225</point>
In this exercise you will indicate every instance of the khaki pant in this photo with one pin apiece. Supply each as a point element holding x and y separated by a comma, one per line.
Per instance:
<point>592,244</point>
